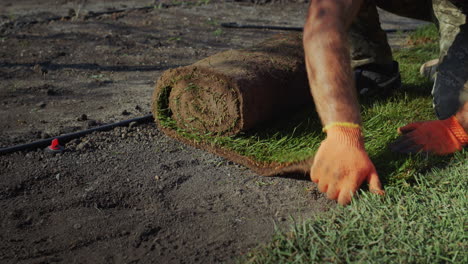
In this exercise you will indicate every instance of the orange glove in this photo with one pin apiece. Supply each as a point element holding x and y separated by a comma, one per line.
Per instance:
<point>341,165</point>
<point>439,137</point>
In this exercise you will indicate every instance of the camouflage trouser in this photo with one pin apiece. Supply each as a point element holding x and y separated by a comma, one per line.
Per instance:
<point>369,44</point>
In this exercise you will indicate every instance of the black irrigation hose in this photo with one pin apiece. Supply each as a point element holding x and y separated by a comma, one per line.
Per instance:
<point>237,25</point>
<point>67,137</point>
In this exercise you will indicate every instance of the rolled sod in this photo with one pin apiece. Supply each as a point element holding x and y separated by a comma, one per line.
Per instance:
<point>232,92</point>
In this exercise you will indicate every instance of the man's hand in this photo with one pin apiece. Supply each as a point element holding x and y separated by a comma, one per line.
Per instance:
<point>440,137</point>
<point>341,165</point>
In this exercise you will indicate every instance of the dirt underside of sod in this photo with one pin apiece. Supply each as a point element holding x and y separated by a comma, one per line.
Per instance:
<point>133,194</point>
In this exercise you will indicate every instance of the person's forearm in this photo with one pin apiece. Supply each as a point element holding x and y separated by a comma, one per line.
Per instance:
<point>328,61</point>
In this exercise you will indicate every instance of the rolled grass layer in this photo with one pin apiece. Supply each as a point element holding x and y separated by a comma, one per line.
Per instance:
<point>234,91</point>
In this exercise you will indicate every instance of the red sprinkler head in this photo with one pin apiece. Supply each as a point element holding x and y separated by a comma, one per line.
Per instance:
<point>55,146</point>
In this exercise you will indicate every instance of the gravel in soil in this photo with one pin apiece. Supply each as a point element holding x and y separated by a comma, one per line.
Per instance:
<point>132,194</point>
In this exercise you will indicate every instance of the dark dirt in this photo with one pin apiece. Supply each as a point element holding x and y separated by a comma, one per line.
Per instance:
<point>131,194</point>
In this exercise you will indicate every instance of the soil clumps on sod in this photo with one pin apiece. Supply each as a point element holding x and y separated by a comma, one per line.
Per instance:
<point>234,91</point>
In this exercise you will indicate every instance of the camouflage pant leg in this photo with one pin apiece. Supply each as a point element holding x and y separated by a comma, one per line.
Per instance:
<point>444,13</point>
<point>449,19</point>
<point>368,42</point>
<point>451,83</point>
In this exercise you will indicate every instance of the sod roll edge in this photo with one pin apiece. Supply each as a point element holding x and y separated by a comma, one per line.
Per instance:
<point>234,91</point>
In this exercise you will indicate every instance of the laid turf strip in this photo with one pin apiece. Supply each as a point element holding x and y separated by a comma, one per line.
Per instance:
<point>213,105</point>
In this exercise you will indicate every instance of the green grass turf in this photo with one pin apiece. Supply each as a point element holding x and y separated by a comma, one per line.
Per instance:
<point>423,216</point>
<point>298,135</point>
<point>424,222</point>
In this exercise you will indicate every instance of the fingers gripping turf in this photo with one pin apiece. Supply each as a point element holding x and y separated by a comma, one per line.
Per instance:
<point>341,165</point>
<point>374,184</point>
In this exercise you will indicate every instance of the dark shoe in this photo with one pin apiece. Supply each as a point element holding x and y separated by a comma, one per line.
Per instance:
<point>375,79</point>
<point>429,69</point>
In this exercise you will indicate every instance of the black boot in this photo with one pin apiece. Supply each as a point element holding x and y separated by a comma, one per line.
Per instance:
<point>374,79</point>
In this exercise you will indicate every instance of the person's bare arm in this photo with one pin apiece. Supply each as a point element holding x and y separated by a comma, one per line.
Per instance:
<point>328,61</point>
<point>341,164</point>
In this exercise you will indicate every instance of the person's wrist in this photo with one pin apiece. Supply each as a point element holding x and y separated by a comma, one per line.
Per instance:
<point>348,136</point>
<point>457,128</point>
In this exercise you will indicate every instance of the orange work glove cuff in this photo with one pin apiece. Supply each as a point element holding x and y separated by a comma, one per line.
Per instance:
<point>348,136</point>
<point>457,130</point>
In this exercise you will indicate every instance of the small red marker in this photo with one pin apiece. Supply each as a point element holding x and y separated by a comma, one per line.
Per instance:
<point>55,146</point>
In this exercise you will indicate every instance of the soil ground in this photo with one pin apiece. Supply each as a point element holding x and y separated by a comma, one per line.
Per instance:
<point>129,195</point>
